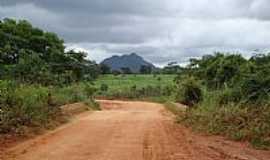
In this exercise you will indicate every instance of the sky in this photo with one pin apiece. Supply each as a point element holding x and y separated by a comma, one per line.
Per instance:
<point>161,31</point>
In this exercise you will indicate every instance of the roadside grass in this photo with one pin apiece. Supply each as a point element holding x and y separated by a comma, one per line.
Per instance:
<point>69,94</point>
<point>159,99</point>
<point>34,106</point>
<point>175,109</point>
<point>92,104</point>
<point>236,121</point>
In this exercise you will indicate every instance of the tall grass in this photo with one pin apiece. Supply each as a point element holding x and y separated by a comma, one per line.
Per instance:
<point>238,121</point>
<point>69,94</point>
<point>23,106</point>
<point>36,106</point>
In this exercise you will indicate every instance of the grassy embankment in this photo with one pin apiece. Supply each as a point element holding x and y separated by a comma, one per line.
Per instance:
<point>226,111</point>
<point>237,121</point>
<point>234,121</point>
<point>24,107</point>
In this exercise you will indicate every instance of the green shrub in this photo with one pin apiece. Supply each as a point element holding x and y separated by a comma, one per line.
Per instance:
<point>228,95</point>
<point>71,94</point>
<point>255,88</point>
<point>134,87</point>
<point>92,104</point>
<point>34,105</point>
<point>168,90</point>
<point>90,90</point>
<point>104,87</point>
<point>236,120</point>
<point>24,106</point>
<point>189,92</point>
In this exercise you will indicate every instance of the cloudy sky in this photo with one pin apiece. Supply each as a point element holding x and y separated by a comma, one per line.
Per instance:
<point>159,30</point>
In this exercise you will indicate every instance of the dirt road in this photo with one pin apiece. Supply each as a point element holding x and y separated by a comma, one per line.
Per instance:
<point>129,131</point>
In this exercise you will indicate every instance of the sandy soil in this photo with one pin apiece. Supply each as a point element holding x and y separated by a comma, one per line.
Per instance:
<point>129,131</point>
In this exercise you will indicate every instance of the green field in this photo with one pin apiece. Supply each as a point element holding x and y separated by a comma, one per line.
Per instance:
<point>122,82</point>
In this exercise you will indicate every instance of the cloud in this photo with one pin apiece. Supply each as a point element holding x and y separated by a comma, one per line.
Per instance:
<point>159,30</point>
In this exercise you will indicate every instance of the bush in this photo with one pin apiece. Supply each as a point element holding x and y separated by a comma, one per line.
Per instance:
<point>228,95</point>
<point>134,87</point>
<point>104,87</point>
<point>168,90</point>
<point>36,106</point>
<point>89,90</point>
<point>92,104</point>
<point>255,88</point>
<point>236,94</point>
<point>234,121</point>
<point>70,94</point>
<point>189,92</point>
<point>24,106</point>
<point>219,113</point>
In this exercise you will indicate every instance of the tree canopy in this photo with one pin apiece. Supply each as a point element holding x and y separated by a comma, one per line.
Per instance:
<point>29,54</point>
<point>249,79</point>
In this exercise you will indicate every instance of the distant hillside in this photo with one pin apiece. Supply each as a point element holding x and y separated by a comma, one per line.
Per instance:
<point>131,61</point>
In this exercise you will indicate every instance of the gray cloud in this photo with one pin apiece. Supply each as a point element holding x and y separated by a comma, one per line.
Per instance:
<point>159,30</point>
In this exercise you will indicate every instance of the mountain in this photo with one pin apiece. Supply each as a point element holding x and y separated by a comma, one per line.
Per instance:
<point>131,61</point>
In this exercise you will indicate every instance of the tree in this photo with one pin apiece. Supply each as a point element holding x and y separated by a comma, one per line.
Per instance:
<point>145,69</point>
<point>172,68</point>
<point>104,69</point>
<point>217,70</point>
<point>126,70</point>
<point>31,55</point>
<point>116,72</point>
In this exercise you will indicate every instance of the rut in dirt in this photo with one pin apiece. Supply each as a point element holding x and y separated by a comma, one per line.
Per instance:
<point>129,131</point>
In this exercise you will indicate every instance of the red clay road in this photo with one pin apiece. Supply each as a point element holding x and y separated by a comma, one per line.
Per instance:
<point>130,131</point>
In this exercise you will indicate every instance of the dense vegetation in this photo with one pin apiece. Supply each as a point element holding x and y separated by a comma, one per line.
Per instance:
<point>228,95</point>
<point>30,55</point>
<point>37,74</point>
